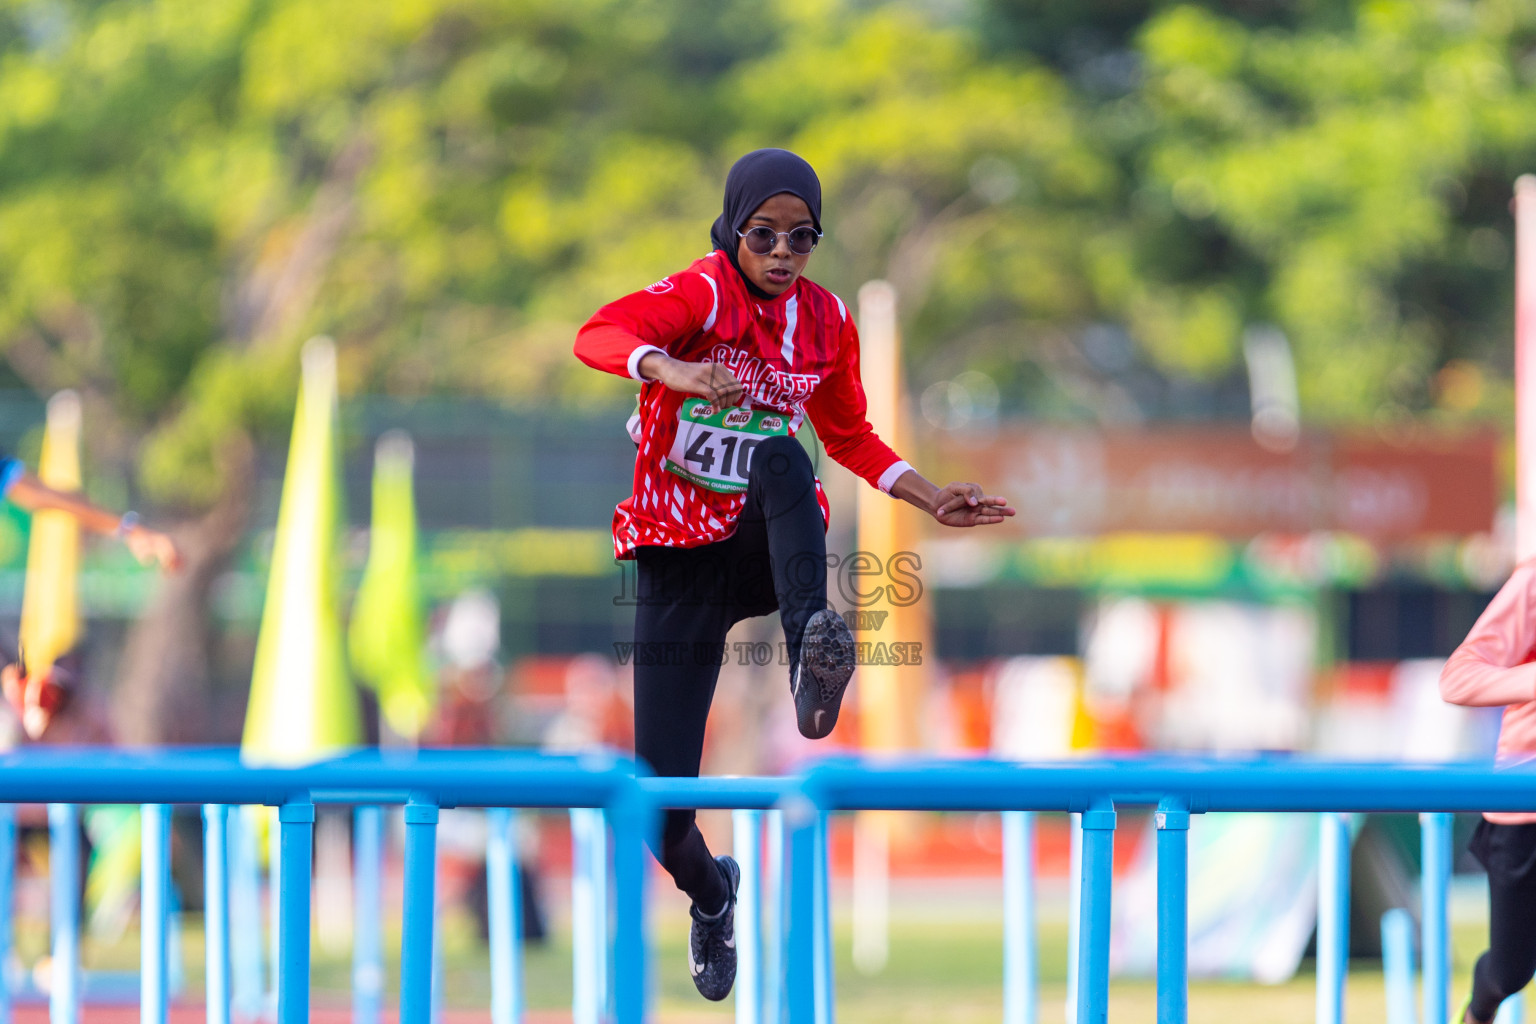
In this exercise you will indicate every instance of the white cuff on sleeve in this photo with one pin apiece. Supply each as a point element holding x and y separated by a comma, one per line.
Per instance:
<point>889,477</point>
<point>638,354</point>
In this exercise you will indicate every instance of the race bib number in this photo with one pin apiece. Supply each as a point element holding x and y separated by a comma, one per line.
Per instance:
<point>713,447</point>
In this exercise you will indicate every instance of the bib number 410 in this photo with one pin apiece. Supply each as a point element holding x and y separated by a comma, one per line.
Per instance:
<point>733,447</point>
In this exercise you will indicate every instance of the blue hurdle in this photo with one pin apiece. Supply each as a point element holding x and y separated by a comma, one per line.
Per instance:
<point>780,837</point>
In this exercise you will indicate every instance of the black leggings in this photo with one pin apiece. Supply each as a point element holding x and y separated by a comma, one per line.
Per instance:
<point>688,598</point>
<point>1509,854</point>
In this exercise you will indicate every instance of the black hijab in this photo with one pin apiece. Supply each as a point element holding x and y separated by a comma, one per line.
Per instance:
<point>756,177</point>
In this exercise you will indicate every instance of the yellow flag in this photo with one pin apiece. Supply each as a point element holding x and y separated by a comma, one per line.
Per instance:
<point>50,607</point>
<point>302,705</point>
<point>386,639</point>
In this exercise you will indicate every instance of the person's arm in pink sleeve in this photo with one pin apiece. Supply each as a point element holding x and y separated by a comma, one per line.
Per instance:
<point>1490,668</point>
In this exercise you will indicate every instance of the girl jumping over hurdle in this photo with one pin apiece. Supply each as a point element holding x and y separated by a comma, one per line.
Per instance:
<point>1496,667</point>
<point>727,519</point>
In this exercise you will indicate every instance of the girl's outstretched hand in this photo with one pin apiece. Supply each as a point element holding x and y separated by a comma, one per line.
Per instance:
<point>962,504</point>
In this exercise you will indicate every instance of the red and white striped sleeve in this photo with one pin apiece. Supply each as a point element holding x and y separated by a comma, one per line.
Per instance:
<point>838,410</point>
<point>619,335</point>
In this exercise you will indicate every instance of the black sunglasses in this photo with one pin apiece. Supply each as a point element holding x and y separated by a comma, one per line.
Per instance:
<point>761,241</point>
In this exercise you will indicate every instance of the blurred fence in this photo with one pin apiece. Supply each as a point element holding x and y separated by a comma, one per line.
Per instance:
<point>783,918</point>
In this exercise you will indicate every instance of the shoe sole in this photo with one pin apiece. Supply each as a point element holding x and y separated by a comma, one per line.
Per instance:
<point>827,655</point>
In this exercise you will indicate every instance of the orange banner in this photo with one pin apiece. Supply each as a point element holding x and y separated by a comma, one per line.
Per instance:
<point>1217,480</point>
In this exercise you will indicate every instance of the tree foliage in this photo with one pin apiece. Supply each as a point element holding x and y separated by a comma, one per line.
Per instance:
<point>448,187</point>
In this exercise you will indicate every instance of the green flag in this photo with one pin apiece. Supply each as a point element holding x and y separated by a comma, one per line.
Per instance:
<point>302,705</point>
<point>386,638</point>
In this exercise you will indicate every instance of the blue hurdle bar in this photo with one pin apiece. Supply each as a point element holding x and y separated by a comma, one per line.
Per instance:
<point>1021,996</point>
<point>1435,845</point>
<point>367,896</point>
<point>1172,912</point>
<point>420,908</point>
<point>216,911</point>
<point>1397,965</point>
<point>504,900</point>
<point>64,907</point>
<point>154,913</point>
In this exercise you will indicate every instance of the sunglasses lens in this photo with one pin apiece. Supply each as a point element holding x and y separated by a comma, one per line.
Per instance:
<point>761,241</point>
<point>802,241</point>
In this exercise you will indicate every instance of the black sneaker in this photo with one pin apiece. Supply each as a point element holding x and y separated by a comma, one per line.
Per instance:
<point>818,679</point>
<point>712,940</point>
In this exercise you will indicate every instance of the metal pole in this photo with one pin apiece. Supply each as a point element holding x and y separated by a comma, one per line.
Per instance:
<point>1397,965</point>
<point>633,819</point>
<point>1172,912</point>
<point>1435,846</point>
<point>245,912</point>
<point>216,911</point>
<point>800,961</point>
<point>1093,939</point>
<point>296,836</point>
<point>64,883</point>
<point>7,894</point>
<point>1525,370</point>
<point>1020,984</point>
<point>367,933</point>
<point>1074,909</point>
<point>824,978</point>
<point>776,905</point>
<point>420,902</point>
<point>747,845</point>
<point>1332,917</point>
<point>154,913</point>
<point>502,887</point>
<point>274,910</point>
<point>589,915</point>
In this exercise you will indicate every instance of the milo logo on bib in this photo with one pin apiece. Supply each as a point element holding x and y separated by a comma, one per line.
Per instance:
<point>713,447</point>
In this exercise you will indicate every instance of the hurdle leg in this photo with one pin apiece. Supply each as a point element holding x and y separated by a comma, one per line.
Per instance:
<point>1435,845</point>
<point>1093,939</point>
<point>296,848</point>
<point>1172,913</point>
<point>154,913</point>
<point>1332,917</point>
<point>506,932</point>
<point>367,893</point>
<point>420,907</point>
<point>216,911</point>
<point>64,886</point>
<point>1020,983</point>
<point>747,846</point>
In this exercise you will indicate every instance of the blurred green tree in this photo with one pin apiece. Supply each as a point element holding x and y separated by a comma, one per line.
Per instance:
<point>188,190</point>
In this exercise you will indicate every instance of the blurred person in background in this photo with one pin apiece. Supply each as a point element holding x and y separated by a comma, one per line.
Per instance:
<point>469,641</point>
<point>727,519</point>
<point>1495,666</point>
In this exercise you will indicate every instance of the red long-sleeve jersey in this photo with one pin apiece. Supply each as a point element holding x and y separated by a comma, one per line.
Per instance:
<point>796,354</point>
